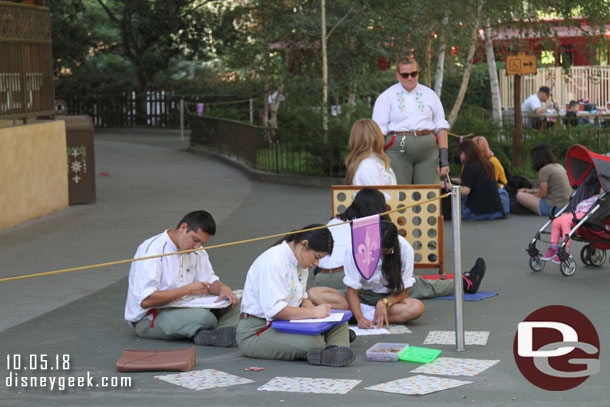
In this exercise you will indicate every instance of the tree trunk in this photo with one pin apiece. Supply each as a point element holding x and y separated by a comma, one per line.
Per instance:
<point>496,103</point>
<point>440,63</point>
<point>265,118</point>
<point>275,104</point>
<point>351,97</point>
<point>324,74</point>
<point>468,68</point>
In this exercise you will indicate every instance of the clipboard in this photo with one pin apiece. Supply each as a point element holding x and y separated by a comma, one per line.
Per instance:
<point>309,328</point>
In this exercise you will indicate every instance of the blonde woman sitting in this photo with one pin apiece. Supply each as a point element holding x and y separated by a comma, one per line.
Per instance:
<point>483,145</point>
<point>367,163</point>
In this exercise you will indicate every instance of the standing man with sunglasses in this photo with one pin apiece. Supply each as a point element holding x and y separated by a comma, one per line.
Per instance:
<point>412,119</point>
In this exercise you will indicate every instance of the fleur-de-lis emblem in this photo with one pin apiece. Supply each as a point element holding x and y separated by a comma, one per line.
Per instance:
<point>365,250</point>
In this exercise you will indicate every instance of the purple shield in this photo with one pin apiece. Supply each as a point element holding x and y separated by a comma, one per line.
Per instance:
<point>366,244</point>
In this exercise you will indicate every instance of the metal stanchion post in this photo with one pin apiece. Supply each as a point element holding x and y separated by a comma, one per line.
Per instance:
<point>456,216</point>
<point>181,119</point>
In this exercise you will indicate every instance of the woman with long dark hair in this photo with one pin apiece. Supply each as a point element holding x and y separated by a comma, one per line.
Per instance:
<point>480,196</point>
<point>383,298</point>
<point>275,289</point>
<point>329,285</point>
<point>554,188</point>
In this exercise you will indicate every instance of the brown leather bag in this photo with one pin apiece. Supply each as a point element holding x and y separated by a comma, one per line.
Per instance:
<point>141,360</point>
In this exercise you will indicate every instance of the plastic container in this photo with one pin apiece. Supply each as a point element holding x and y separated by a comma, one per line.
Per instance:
<point>385,352</point>
<point>419,355</point>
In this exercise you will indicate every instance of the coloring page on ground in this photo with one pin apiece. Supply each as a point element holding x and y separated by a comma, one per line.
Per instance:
<point>309,385</point>
<point>386,330</point>
<point>204,379</point>
<point>456,367</point>
<point>418,385</point>
<point>448,338</point>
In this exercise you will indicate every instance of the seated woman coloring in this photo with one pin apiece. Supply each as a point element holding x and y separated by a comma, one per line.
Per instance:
<point>330,275</point>
<point>275,289</point>
<point>480,196</point>
<point>383,298</point>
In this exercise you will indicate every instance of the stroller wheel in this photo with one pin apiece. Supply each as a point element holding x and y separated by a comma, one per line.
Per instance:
<point>536,263</point>
<point>568,267</point>
<point>597,257</point>
<point>585,255</point>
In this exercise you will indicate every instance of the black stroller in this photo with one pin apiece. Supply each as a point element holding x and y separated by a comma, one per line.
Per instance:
<point>588,172</point>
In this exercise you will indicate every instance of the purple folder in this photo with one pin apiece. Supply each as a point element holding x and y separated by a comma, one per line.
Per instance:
<point>309,328</point>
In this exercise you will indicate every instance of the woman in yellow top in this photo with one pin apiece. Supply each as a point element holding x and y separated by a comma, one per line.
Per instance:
<point>483,145</point>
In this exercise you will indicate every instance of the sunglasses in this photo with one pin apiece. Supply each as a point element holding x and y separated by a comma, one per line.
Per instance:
<point>406,75</point>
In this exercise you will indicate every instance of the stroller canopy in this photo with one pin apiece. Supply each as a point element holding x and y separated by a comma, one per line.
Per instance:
<point>580,162</point>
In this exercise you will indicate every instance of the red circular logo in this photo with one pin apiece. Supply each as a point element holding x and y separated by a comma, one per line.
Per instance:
<point>556,348</point>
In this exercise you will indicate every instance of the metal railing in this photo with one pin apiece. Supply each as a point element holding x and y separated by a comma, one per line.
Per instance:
<point>286,151</point>
<point>26,63</point>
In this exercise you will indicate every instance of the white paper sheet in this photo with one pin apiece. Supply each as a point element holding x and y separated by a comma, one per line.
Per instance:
<point>334,317</point>
<point>372,331</point>
<point>203,301</point>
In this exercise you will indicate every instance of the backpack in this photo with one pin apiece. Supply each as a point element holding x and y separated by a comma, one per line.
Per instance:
<point>515,183</point>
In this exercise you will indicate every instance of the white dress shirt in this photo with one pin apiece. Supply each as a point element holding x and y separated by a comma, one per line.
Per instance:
<point>372,171</point>
<point>274,281</point>
<point>398,110</point>
<point>377,283</point>
<point>342,242</point>
<point>163,273</point>
<point>528,107</point>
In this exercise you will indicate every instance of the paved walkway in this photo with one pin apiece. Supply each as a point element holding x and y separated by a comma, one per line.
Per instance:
<point>153,181</point>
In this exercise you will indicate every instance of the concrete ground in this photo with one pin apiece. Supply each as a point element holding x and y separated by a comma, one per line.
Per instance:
<point>153,181</point>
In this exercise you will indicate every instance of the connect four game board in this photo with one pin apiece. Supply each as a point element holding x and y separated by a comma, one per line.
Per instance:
<point>421,225</point>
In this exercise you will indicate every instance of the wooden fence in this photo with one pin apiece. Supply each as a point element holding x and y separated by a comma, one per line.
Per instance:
<point>580,82</point>
<point>26,64</point>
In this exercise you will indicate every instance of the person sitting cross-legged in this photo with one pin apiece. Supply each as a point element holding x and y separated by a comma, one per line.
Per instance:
<point>154,284</point>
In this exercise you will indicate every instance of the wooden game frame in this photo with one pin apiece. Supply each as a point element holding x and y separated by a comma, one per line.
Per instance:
<point>427,256</point>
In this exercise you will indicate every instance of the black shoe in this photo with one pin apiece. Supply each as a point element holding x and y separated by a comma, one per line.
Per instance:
<point>223,337</point>
<point>352,335</point>
<point>335,356</point>
<point>472,279</point>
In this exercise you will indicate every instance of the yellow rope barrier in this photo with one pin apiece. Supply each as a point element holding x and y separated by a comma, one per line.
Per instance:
<point>114,263</point>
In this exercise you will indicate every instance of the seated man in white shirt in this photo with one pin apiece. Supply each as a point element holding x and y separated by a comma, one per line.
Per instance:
<point>535,104</point>
<point>154,284</point>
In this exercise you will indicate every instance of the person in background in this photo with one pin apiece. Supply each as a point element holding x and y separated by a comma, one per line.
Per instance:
<point>571,118</point>
<point>412,118</point>
<point>481,142</point>
<point>535,105</point>
<point>554,188</point>
<point>480,194</point>
<point>367,163</point>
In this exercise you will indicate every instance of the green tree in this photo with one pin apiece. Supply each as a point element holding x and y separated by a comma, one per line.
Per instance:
<point>154,34</point>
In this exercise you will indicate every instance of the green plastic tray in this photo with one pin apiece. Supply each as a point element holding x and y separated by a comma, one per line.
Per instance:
<point>419,355</point>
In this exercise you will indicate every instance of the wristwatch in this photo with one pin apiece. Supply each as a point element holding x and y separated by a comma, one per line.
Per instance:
<point>386,302</point>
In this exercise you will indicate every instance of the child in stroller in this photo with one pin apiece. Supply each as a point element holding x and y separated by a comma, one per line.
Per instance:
<point>585,218</point>
<point>562,225</point>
